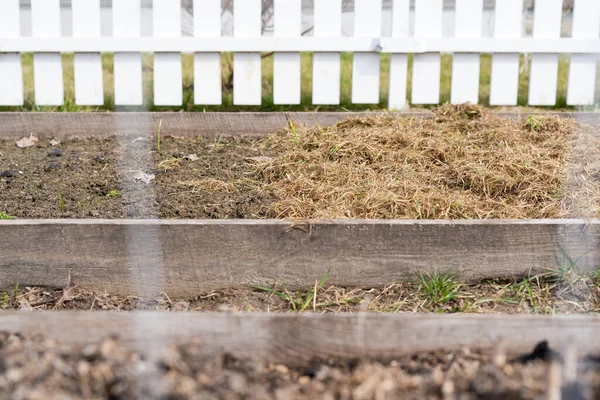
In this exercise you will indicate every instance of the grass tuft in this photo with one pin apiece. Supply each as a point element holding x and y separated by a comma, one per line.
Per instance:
<point>438,289</point>
<point>5,216</point>
<point>301,301</point>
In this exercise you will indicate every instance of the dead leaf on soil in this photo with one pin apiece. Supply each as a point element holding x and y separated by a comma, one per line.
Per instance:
<point>25,142</point>
<point>146,178</point>
<point>54,142</point>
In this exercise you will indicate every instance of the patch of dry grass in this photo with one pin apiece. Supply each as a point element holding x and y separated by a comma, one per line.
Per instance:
<point>564,291</point>
<point>464,163</point>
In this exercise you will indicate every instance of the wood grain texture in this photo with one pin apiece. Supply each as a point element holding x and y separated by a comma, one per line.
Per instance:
<point>297,339</point>
<point>186,257</point>
<point>210,125</point>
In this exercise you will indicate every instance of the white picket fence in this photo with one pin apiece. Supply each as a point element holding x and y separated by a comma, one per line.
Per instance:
<point>367,44</point>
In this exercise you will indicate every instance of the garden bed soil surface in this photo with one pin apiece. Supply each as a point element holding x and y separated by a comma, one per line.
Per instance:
<point>464,163</point>
<point>568,293</point>
<point>34,368</point>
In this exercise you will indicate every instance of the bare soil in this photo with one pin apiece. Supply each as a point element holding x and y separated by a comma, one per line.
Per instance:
<point>34,368</point>
<point>464,163</point>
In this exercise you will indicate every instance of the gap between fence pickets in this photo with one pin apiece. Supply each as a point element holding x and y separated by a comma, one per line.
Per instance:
<point>96,254</point>
<point>297,339</point>
<point>209,125</point>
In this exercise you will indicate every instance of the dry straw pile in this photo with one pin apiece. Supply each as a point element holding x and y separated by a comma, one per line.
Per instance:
<point>464,163</point>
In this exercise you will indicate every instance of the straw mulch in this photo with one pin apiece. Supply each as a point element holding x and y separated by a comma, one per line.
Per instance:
<point>466,162</point>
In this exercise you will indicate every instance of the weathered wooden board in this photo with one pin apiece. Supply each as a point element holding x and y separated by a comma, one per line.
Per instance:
<point>299,338</point>
<point>187,257</point>
<point>64,125</point>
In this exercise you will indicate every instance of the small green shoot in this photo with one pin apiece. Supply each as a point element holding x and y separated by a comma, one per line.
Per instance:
<point>5,300</point>
<point>439,288</point>
<point>113,193</point>
<point>4,215</point>
<point>293,129</point>
<point>158,135</point>
<point>534,123</point>
<point>61,202</point>
<point>300,302</point>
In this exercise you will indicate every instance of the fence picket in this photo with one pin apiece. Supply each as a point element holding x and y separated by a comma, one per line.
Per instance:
<point>207,66</point>
<point>465,67</point>
<point>582,70</point>
<point>167,45</point>
<point>247,21</point>
<point>286,66</point>
<point>127,16</point>
<point>504,85</point>
<point>543,76</point>
<point>399,62</point>
<point>327,66</point>
<point>11,74</point>
<point>426,67</point>
<point>168,73</point>
<point>47,67</point>
<point>89,89</point>
<point>365,66</point>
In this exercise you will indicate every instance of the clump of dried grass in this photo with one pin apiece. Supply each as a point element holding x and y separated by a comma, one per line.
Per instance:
<point>464,163</point>
<point>209,185</point>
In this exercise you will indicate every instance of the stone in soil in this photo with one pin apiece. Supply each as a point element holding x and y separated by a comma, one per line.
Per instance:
<point>7,174</point>
<point>55,153</point>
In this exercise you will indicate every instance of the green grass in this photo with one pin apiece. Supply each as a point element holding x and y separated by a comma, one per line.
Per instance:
<point>113,193</point>
<point>6,299</point>
<point>438,289</point>
<point>267,85</point>
<point>301,301</point>
<point>61,202</point>
<point>4,215</point>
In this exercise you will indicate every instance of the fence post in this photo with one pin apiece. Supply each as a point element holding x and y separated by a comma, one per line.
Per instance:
<point>543,76</point>
<point>465,67</point>
<point>47,67</point>
<point>504,85</point>
<point>365,66</point>
<point>286,66</point>
<point>89,89</point>
<point>247,76</point>
<point>399,62</point>
<point>582,70</point>
<point>327,66</point>
<point>168,78</point>
<point>11,73</point>
<point>127,16</point>
<point>207,66</point>
<point>426,67</point>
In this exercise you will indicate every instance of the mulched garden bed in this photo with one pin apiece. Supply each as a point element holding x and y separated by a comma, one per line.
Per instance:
<point>464,163</point>
<point>35,368</point>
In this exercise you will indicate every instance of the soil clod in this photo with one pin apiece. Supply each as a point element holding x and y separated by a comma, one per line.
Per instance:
<point>541,352</point>
<point>56,152</point>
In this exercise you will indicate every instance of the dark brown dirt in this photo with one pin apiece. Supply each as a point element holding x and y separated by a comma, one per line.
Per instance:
<point>82,176</point>
<point>454,166</point>
<point>34,368</point>
<point>219,184</point>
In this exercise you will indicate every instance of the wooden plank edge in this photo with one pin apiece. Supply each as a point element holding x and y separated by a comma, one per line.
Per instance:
<point>301,338</point>
<point>184,258</point>
<point>209,125</point>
